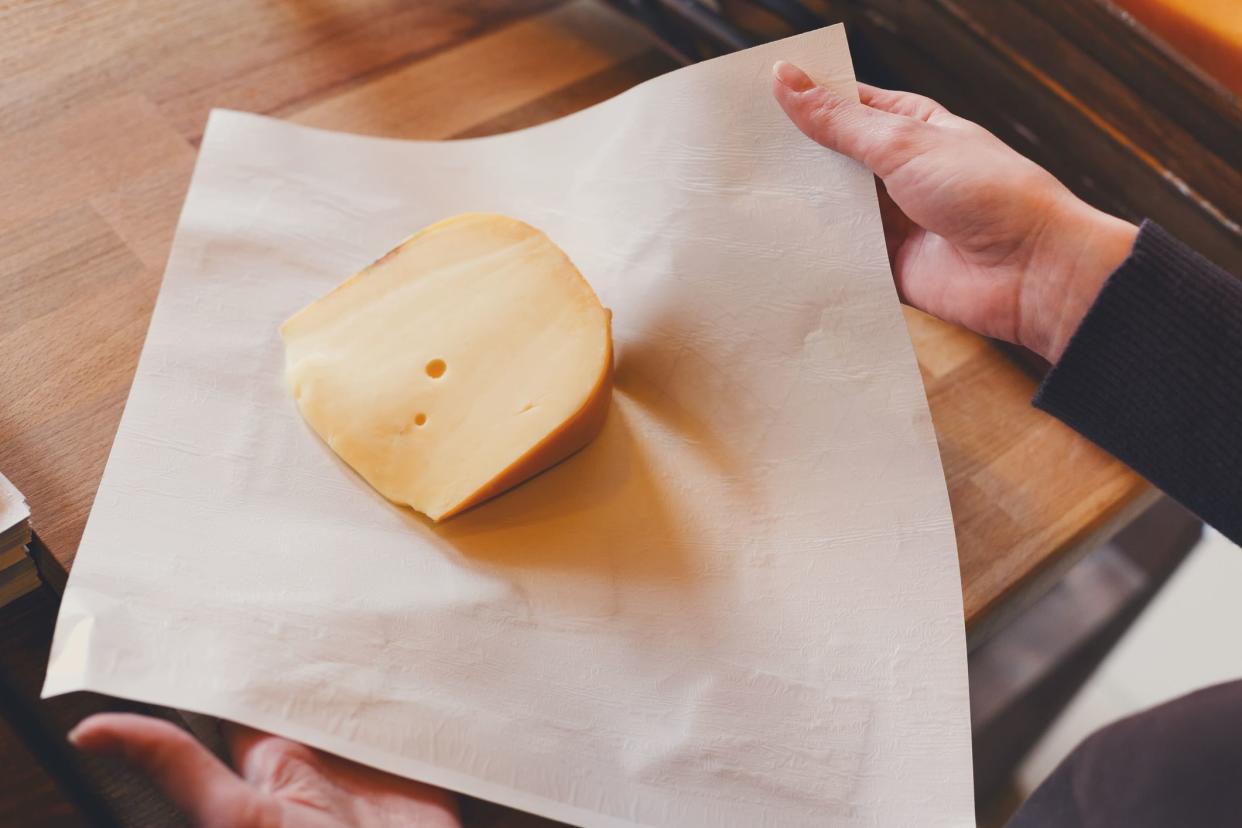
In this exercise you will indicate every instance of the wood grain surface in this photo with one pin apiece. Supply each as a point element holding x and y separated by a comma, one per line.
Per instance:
<point>101,109</point>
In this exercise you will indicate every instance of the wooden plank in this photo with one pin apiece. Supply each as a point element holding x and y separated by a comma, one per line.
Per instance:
<point>1028,493</point>
<point>71,276</point>
<point>143,211</point>
<point>79,293</point>
<point>83,153</point>
<point>485,78</point>
<point>1202,151</point>
<point>1177,87</point>
<point>577,95</point>
<point>187,57</point>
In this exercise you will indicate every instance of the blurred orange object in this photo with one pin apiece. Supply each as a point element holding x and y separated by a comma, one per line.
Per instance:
<point>1208,33</point>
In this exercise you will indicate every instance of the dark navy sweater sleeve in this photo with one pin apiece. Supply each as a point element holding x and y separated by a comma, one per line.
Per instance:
<point>1154,376</point>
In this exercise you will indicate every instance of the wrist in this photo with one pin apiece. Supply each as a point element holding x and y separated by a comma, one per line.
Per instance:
<point>1082,248</point>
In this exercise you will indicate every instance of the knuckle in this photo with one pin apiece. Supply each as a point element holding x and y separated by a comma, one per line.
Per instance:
<point>896,145</point>
<point>928,104</point>
<point>280,764</point>
<point>827,110</point>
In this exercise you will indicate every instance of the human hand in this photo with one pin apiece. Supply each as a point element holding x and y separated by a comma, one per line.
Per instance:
<point>281,783</point>
<point>977,234</point>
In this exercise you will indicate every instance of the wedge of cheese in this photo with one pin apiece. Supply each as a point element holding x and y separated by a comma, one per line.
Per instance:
<point>466,360</point>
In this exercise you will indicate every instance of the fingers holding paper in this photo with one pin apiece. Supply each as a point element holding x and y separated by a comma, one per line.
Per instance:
<point>881,140</point>
<point>281,783</point>
<point>976,233</point>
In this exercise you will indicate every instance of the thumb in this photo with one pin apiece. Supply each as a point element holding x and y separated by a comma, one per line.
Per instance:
<point>194,779</point>
<point>881,141</point>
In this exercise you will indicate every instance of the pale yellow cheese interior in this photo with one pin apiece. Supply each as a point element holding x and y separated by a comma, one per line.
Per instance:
<point>469,358</point>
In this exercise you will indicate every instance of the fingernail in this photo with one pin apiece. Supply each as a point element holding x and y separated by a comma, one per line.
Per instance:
<point>792,77</point>
<point>73,736</point>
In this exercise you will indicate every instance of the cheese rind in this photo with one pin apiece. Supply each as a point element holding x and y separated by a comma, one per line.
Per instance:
<point>465,361</point>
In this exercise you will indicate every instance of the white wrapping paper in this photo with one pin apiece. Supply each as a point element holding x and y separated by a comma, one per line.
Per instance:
<point>739,606</point>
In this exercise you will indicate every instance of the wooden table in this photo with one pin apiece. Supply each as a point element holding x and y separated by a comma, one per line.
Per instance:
<point>102,107</point>
<point>101,110</point>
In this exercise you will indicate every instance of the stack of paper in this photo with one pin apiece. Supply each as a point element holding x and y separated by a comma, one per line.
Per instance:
<point>17,571</point>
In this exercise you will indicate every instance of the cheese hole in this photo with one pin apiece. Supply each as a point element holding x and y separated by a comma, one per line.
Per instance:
<point>436,368</point>
<point>420,419</point>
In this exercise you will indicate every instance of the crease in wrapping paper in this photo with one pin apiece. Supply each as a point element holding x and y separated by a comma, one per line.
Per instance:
<point>739,606</point>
